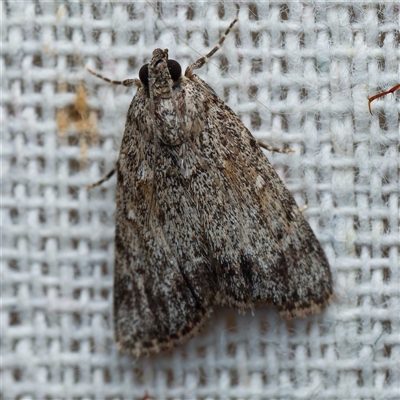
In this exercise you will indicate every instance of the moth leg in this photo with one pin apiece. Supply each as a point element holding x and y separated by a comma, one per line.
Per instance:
<point>126,82</point>
<point>101,181</point>
<point>275,149</point>
<point>203,60</point>
<point>377,96</point>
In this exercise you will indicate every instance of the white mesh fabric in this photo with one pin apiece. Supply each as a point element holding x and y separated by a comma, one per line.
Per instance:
<point>312,67</point>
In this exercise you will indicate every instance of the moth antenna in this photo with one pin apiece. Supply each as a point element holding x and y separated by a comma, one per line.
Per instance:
<point>126,82</point>
<point>203,60</point>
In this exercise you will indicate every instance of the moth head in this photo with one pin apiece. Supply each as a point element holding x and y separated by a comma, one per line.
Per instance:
<point>160,57</point>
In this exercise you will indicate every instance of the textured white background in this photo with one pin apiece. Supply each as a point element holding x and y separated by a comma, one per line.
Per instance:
<point>312,67</point>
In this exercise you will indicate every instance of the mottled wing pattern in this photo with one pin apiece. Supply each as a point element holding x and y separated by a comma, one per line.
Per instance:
<point>265,248</point>
<point>202,218</point>
<point>159,291</point>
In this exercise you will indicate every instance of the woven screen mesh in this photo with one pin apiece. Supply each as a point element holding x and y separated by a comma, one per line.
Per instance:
<point>311,68</point>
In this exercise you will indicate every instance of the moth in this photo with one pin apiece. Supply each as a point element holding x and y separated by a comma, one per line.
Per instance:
<point>202,218</point>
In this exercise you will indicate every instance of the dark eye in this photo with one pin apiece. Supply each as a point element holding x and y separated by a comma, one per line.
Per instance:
<point>144,74</point>
<point>175,69</point>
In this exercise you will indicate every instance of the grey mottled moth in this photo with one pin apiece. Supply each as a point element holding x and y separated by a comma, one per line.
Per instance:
<point>202,218</point>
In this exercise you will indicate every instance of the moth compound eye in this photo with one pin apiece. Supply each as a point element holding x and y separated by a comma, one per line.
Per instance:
<point>175,69</point>
<point>144,74</point>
